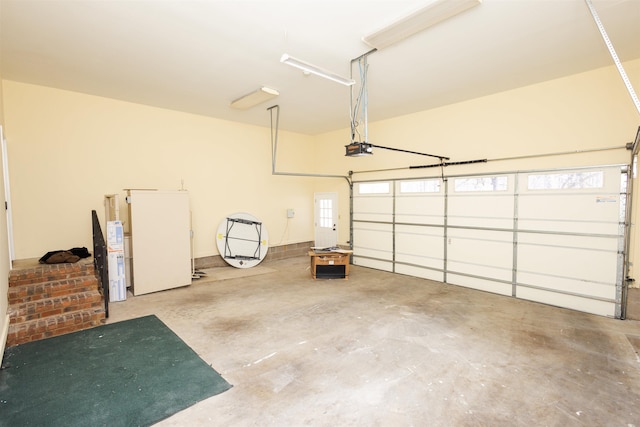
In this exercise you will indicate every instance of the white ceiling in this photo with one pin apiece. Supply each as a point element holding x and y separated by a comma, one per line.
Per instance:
<point>198,56</point>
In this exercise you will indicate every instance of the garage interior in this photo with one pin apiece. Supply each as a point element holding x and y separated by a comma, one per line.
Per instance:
<point>487,199</point>
<point>388,349</point>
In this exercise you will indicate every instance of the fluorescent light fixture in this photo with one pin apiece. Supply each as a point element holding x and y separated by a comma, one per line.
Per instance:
<point>305,66</point>
<point>254,98</point>
<point>433,13</point>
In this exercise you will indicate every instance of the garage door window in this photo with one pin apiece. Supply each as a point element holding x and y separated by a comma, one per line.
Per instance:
<point>487,183</point>
<point>565,181</point>
<point>374,188</point>
<point>422,186</point>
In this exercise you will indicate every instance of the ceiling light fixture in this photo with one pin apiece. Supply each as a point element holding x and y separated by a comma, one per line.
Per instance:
<point>254,98</point>
<point>431,14</point>
<point>305,66</point>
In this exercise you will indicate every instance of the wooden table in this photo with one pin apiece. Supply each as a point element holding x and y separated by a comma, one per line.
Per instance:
<point>330,264</point>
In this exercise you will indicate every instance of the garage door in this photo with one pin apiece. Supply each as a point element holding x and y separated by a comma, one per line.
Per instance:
<point>571,239</point>
<point>555,237</point>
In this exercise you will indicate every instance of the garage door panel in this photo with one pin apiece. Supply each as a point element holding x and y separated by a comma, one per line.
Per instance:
<point>484,247</point>
<point>489,272</point>
<point>503,236</point>
<point>609,243</point>
<point>419,219</point>
<point>568,285</point>
<point>420,245</point>
<point>483,253</point>
<point>420,260</point>
<point>373,263</point>
<point>373,209</point>
<point>474,221</point>
<point>425,273</point>
<point>481,211</point>
<point>587,305</point>
<point>420,209</point>
<point>480,284</point>
<point>571,213</point>
<point>430,204</point>
<point>568,226</point>
<point>472,210</point>
<point>373,240</point>
<point>583,264</point>
<point>580,207</point>
<point>368,216</point>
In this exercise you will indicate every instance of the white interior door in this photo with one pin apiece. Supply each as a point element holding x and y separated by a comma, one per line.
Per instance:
<point>326,219</point>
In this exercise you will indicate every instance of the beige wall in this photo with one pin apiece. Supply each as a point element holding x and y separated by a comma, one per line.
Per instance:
<point>67,150</point>
<point>61,164</point>
<point>586,111</point>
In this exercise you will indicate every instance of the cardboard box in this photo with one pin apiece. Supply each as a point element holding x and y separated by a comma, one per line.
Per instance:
<point>115,262</point>
<point>117,282</point>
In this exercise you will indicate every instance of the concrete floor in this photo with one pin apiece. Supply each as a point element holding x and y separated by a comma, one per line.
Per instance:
<point>390,350</point>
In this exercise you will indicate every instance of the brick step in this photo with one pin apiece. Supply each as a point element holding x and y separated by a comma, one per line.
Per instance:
<point>48,307</point>
<point>46,300</point>
<point>37,329</point>
<point>19,294</point>
<point>51,272</point>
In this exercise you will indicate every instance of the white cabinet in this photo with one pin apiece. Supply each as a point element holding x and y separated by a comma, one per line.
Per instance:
<point>160,240</point>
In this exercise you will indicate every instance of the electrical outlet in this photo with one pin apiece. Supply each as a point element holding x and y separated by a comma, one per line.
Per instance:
<point>291,213</point>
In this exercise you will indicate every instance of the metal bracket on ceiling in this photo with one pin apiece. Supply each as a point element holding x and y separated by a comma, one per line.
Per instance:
<point>275,126</point>
<point>361,100</point>
<point>361,111</point>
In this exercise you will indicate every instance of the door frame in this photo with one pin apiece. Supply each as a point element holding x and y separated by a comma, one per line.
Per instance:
<point>7,198</point>
<point>333,196</point>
